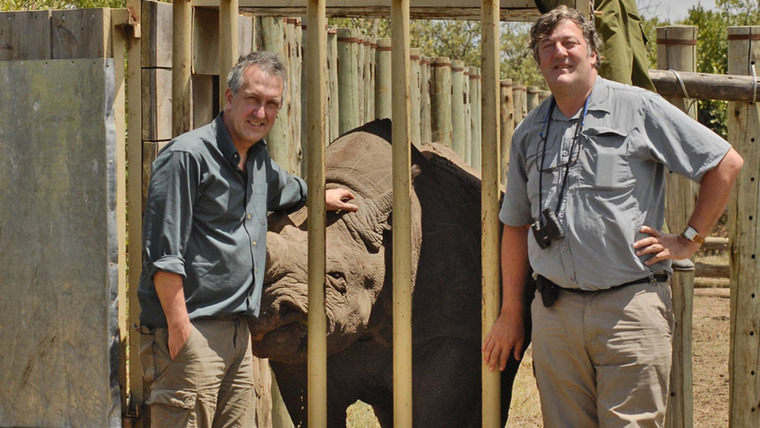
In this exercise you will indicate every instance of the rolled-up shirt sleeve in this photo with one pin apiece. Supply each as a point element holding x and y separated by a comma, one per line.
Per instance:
<point>168,215</point>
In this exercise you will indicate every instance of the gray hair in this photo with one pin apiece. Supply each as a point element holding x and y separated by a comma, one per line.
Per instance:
<point>546,23</point>
<point>268,62</point>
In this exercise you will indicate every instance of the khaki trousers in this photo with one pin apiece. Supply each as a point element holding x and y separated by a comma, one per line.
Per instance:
<point>604,358</point>
<point>209,383</point>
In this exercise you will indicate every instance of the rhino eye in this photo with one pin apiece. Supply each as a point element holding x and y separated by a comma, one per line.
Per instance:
<point>337,275</point>
<point>338,281</point>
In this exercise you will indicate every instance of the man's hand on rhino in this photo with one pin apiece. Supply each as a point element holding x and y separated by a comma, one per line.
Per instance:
<point>506,336</point>
<point>337,200</point>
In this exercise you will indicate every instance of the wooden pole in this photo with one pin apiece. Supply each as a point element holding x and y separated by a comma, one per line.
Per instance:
<point>744,236</point>
<point>507,125</point>
<point>332,68</point>
<point>371,79</point>
<point>475,117</point>
<point>519,102</point>
<point>425,113</point>
<point>457,107</point>
<point>316,110</point>
<point>415,97</point>
<point>348,81</point>
<point>704,86</point>
<point>467,117</point>
<point>361,74</point>
<point>135,393</point>
<point>676,49</point>
<point>383,89</point>
<point>228,44</point>
<point>182,112</point>
<point>279,143</point>
<point>298,145</point>
<point>440,101</point>
<point>531,98</point>
<point>491,280</point>
<point>402,217</point>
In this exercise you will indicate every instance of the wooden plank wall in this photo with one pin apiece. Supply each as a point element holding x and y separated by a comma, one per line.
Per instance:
<point>62,218</point>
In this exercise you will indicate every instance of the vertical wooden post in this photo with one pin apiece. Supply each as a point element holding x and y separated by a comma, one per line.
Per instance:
<point>467,117</point>
<point>273,40</point>
<point>402,218</point>
<point>440,101</point>
<point>490,201</point>
<point>415,97</point>
<point>361,70</point>
<point>676,49</point>
<point>475,117</point>
<point>370,66</point>
<point>228,44</point>
<point>507,125</point>
<point>383,88</point>
<point>519,102</point>
<point>457,107</point>
<point>348,81</point>
<point>317,339</point>
<point>531,98</point>
<point>135,394</point>
<point>332,69</point>
<point>182,112</point>
<point>744,135</point>
<point>425,113</point>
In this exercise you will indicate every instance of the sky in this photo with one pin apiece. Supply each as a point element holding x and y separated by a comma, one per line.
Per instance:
<point>674,10</point>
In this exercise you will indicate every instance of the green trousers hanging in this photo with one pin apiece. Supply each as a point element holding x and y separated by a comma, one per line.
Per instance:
<point>624,54</point>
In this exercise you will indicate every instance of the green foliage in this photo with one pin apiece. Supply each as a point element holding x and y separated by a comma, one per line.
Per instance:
<point>9,5</point>
<point>458,39</point>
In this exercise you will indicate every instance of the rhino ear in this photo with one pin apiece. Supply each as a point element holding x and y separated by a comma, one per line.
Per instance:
<point>368,225</point>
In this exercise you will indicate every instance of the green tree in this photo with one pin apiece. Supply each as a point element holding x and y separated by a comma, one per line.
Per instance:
<point>9,5</point>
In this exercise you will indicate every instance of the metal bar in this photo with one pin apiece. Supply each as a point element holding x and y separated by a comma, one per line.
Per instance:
<point>490,199</point>
<point>316,127</point>
<point>402,231</point>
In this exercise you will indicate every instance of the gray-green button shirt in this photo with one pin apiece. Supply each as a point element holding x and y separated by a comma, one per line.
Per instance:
<point>206,220</point>
<point>629,140</point>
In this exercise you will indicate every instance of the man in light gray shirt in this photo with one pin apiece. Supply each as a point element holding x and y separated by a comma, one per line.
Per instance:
<point>583,209</point>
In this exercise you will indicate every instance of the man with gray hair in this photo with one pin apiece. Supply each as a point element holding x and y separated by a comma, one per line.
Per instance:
<point>204,251</point>
<point>584,209</point>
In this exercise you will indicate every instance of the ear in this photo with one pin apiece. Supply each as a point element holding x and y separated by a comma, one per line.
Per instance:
<point>371,221</point>
<point>228,97</point>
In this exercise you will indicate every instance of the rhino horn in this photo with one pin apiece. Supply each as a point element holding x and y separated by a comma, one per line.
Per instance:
<point>371,221</point>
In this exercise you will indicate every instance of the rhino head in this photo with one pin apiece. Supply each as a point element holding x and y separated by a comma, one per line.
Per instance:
<point>358,254</point>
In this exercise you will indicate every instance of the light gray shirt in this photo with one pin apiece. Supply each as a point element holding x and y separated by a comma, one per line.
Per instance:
<point>629,139</point>
<point>206,220</point>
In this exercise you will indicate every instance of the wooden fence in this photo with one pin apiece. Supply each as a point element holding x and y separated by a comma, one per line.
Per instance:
<point>444,100</point>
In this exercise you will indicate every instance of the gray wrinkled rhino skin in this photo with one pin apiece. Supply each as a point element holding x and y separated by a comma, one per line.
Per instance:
<point>446,316</point>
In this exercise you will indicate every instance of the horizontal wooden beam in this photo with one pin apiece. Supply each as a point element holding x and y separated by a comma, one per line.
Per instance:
<point>706,86</point>
<point>510,10</point>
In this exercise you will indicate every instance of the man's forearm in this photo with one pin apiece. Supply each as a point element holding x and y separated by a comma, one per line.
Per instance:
<point>714,192</point>
<point>172,297</point>
<point>514,269</point>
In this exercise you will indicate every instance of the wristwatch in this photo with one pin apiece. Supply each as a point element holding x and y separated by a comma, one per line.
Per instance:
<point>692,235</point>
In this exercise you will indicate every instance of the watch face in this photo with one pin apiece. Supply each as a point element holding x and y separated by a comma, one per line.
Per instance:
<point>689,233</point>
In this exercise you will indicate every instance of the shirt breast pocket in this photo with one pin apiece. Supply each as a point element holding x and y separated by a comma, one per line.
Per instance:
<point>607,159</point>
<point>260,201</point>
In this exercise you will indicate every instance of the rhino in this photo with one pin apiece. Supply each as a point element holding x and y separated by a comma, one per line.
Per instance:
<point>446,277</point>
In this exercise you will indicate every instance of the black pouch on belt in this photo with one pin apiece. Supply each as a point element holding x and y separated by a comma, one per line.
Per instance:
<point>549,291</point>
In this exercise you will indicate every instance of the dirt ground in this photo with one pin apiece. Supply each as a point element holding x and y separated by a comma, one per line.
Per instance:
<point>710,347</point>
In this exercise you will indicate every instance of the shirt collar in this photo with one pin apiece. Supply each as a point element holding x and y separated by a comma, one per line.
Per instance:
<point>225,145</point>
<point>597,101</point>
